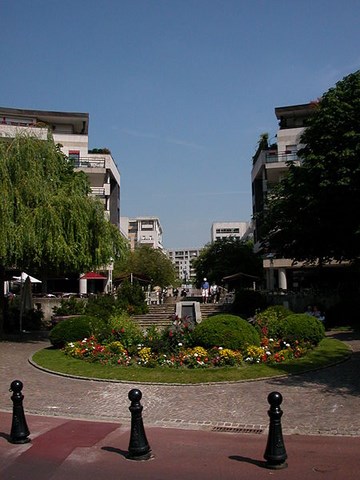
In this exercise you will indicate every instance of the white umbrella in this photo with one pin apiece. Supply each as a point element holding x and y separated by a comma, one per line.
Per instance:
<point>23,277</point>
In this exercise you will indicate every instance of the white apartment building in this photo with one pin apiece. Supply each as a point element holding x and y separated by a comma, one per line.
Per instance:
<point>70,131</point>
<point>143,231</point>
<point>182,260</point>
<point>221,230</point>
<point>269,166</point>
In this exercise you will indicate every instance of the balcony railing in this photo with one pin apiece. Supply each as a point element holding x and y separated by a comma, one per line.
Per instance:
<point>85,162</point>
<point>281,157</point>
<point>98,191</point>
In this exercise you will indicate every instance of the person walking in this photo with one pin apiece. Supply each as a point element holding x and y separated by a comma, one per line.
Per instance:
<point>205,290</point>
<point>213,292</point>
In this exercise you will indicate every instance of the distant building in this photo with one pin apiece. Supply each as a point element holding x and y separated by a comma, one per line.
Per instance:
<point>143,231</point>
<point>70,131</point>
<point>221,230</point>
<point>182,260</point>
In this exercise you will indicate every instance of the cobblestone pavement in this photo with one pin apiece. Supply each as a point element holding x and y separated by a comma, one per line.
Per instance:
<point>325,402</point>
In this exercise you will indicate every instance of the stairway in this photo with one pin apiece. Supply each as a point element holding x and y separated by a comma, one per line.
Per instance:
<point>162,316</point>
<point>159,315</point>
<point>211,309</point>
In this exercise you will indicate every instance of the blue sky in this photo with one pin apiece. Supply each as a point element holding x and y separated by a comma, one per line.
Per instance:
<point>178,90</point>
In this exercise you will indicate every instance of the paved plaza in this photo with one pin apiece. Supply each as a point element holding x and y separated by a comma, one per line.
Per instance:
<point>221,428</point>
<point>323,402</point>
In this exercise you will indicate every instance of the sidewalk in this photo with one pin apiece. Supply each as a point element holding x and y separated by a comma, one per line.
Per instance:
<point>64,449</point>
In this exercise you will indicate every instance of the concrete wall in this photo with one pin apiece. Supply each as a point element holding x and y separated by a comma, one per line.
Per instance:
<point>47,305</point>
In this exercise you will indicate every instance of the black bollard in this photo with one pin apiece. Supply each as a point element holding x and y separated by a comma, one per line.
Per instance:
<point>139,448</point>
<point>19,429</point>
<point>275,453</point>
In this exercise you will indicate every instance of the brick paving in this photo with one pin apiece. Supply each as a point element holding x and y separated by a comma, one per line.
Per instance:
<point>323,402</point>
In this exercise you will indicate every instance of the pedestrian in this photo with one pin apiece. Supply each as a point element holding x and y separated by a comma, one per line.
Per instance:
<point>213,292</point>
<point>205,290</point>
<point>218,293</point>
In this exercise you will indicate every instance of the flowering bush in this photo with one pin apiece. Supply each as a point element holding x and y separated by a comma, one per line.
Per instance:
<point>224,356</point>
<point>124,330</point>
<point>195,357</point>
<point>275,351</point>
<point>146,357</point>
<point>91,350</point>
<point>179,334</point>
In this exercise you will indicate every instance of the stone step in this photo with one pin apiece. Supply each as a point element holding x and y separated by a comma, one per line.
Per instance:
<point>162,315</point>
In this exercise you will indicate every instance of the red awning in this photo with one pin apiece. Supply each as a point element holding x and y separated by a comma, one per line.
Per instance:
<point>92,276</point>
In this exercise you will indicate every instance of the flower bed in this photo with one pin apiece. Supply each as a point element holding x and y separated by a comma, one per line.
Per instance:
<point>114,353</point>
<point>176,346</point>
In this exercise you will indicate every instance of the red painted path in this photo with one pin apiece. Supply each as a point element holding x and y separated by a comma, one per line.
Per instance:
<point>73,449</point>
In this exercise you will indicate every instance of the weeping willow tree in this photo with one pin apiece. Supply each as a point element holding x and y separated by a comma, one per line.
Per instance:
<point>48,221</point>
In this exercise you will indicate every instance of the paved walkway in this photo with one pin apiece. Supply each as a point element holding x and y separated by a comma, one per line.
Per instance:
<point>325,402</point>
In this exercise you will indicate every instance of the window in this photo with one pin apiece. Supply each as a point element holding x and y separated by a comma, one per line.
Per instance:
<point>74,155</point>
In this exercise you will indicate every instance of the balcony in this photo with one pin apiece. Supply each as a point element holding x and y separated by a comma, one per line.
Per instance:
<point>272,160</point>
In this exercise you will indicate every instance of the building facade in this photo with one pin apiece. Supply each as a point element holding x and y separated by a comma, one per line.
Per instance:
<point>270,163</point>
<point>70,131</point>
<point>143,231</point>
<point>182,260</point>
<point>241,230</point>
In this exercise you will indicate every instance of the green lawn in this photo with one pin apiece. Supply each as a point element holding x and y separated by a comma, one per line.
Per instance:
<point>328,352</point>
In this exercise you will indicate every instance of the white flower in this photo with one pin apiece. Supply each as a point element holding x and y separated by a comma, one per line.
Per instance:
<point>180,344</point>
<point>271,339</point>
<point>268,353</point>
<point>220,348</point>
<point>287,344</point>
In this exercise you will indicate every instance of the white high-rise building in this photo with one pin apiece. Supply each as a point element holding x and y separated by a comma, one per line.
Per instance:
<point>143,231</point>
<point>182,260</point>
<point>220,230</point>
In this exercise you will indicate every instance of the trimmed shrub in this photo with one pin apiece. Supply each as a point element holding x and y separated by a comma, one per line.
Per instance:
<point>227,331</point>
<point>302,327</point>
<point>76,328</point>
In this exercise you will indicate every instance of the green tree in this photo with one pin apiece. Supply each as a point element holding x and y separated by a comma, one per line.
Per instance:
<point>48,221</point>
<point>313,213</point>
<point>224,257</point>
<point>150,262</point>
